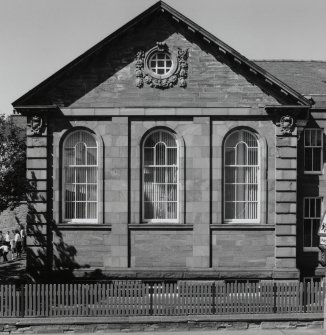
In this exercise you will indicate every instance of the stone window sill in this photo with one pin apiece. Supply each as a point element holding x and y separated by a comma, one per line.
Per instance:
<point>242,226</point>
<point>83,226</point>
<point>161,226</point>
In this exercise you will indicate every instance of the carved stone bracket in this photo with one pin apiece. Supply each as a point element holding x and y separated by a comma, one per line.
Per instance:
<point>287,124</point>
<point>177,75</point>
<point>37,125</point>
<point>140,68</point>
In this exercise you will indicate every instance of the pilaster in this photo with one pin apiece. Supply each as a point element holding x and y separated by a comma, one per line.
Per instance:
<point>198,193</point>
<point>37,176</point>
<point>286,199</point>
<point>116,192</point>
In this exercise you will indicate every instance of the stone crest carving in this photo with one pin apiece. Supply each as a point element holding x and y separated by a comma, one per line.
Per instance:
<point>176,74</point>
<point>36,125</point>
<point>287,124</point>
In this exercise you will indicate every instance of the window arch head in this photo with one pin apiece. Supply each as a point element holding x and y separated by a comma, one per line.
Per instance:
<point>80,177</point>
<point>241,177</point>
<point>160,177</point>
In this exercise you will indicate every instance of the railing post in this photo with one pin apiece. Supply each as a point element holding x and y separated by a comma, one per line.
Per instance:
<point>213,292</point>
<point>151,292</point>
<point>274,296</point>
<point>304,299</point>
<point>22,300</point>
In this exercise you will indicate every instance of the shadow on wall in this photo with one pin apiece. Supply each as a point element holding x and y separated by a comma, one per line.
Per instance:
<point>49,257</point>
<point>46,249</point>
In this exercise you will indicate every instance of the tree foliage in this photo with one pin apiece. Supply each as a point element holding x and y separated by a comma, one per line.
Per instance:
<point>13,183</point>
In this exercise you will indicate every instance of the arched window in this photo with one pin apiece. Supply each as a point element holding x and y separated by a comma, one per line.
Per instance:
<point>160,177</point>
<point>241,177</point>
<point>80,177</point>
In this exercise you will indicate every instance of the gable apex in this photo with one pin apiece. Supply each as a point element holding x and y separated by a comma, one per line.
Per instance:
<point>237,62</point>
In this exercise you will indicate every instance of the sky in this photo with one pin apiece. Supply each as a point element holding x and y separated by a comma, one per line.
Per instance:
<point>38,37</point>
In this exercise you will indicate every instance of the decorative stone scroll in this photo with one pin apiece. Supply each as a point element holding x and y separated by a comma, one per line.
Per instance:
<point>287,124</point>
<point>36,125</point>
<point>177,74</point>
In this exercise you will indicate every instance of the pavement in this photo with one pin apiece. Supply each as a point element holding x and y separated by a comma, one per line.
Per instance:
<point>221,332</point>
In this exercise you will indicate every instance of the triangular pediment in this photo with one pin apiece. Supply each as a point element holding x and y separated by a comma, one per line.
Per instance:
<point>105,75</point>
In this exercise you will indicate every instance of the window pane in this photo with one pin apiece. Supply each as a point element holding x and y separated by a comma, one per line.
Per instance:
<point>160,154</point>
<point>81,174</point>
<point>70,193</point>
<point>92,156</point>
<point>172,192</point>
<point>252,156</point>
<point>313,138</point>
<point>319,137</point>
<point>312,208</point>
<point>306,208</point>
<point>92,192</point>
<point>241,154</point>
<point>318,207</point>
<point>81,210</point>
<point>149,175</point>
<point>241,210</point>
<point>241,174</point>
<point>313,150</point>
<point>308,159</point>
<point>91,210</point>
<point>230,192</point>
<point>69,156</point>
<point>229,156</point>
<point>70,175</point>
<point>160,175</point>
<point>230,174</point>
<point>149,210</point>
<point>229,210</point>
<point>316,159</point>
<point>307,233</point>
<point>148,156</point>
<point>315,236</point>
<point>307,141</point>
<point>171,173</point>
<point>241,192</point>
<point>172,210</point>
<point>70,210</point>
<point>80,195</point>
<point>160,210</point>
<point>312,216</point>
<point>80,192</point>
<point>91,174</point>
<point>241,181</point>
<point>80,154</point>
<point>172,156</point>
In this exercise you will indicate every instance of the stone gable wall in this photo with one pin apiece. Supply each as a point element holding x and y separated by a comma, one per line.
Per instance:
<point>108,78</point>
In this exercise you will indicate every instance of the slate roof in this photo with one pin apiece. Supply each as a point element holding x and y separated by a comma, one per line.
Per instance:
<point>306,77</point>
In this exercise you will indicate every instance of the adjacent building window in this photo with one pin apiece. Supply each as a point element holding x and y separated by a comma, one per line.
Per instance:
<point>80,177</point>
<point>313,151</point>
<point>311,221</point>
<point>160,177</point>
<point>241,177</point>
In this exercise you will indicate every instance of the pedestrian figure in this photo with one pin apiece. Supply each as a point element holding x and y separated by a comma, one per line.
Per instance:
<point>7,239</point>
<point>4,249</point>
<point>1,238</point>
<point>23,238</point>
<point>18,243</point>
<point>12,245</point>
